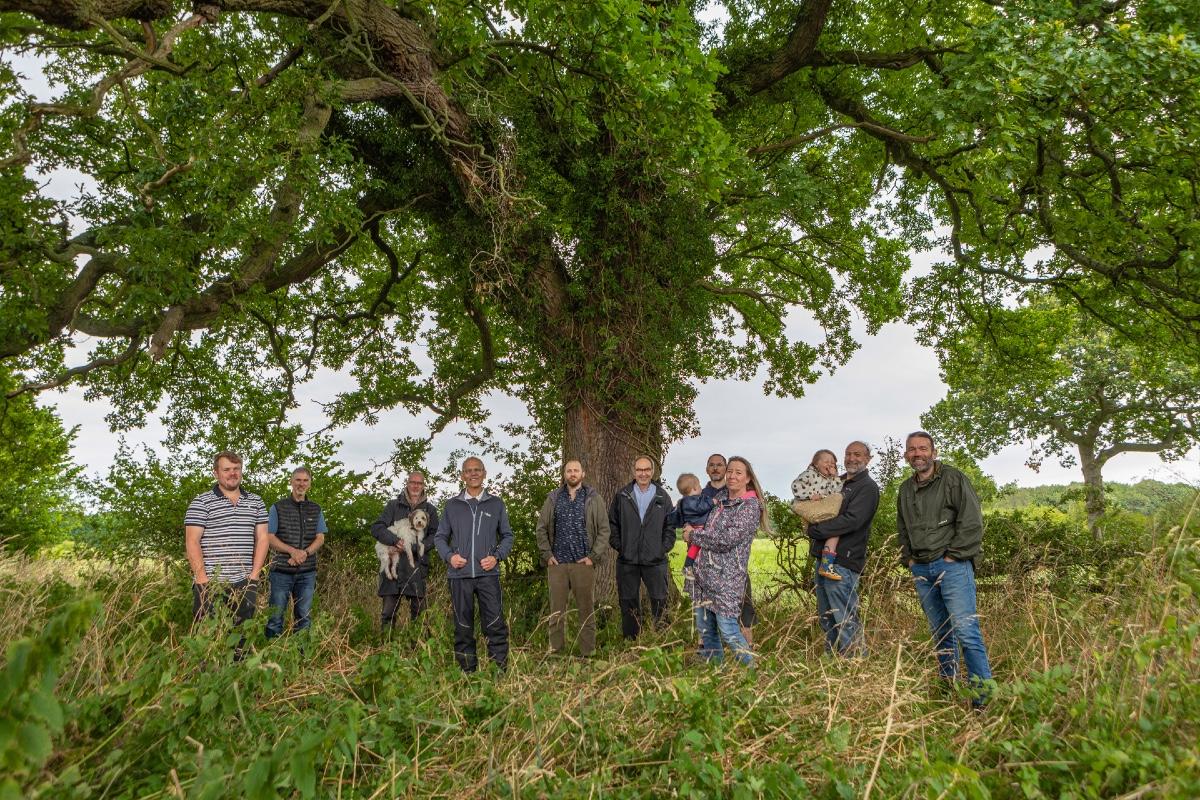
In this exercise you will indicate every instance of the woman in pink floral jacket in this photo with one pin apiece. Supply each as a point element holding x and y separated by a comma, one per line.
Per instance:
<point>719,576</point>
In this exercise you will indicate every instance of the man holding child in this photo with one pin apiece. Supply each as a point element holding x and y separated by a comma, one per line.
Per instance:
<point>837,593</point>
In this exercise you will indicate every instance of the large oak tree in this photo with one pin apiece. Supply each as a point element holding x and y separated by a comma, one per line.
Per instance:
<point>595,206</point>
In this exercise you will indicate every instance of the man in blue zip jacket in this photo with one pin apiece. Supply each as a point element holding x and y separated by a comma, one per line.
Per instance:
<point>473,537</point>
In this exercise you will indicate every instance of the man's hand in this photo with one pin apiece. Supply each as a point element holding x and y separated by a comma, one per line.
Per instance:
<point>911,561</point>
<point>457,561</point>
<point>487,562</point>
<point>299,556</point>
<point>553,562</point>
<point>585,560</point>
<point>200,581</point>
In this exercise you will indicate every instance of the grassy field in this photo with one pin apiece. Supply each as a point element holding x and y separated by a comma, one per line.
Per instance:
<point>763,567</point>
<point>106,693</point>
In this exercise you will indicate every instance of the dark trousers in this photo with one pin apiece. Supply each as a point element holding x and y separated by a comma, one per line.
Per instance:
<point>630,578</point>
<point>464,593</point>
<point>391,603</point>
<point>240,598</point>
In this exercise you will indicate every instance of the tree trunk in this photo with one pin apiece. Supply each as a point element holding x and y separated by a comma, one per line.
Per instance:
<point>1093,488</point>
<point>607,450</point>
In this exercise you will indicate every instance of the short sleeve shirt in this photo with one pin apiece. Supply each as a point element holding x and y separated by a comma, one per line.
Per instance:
<point>227,543</point>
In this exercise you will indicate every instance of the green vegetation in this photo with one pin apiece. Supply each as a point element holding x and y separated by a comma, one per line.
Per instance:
<point>37,499</point>
<point>1046,372</point>
<point>1146,497</point>
<point>106,693</point>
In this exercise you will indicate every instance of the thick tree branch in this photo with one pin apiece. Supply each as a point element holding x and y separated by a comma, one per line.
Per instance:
<point>63,378</point>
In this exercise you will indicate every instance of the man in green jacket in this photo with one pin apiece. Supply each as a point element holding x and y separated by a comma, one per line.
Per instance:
<point>571,525</point>
<point>940,527</point>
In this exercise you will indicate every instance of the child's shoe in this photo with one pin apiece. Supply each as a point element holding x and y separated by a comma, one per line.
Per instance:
<point>825,566</point>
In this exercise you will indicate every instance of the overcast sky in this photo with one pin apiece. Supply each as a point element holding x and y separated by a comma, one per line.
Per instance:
<point>881,392</point>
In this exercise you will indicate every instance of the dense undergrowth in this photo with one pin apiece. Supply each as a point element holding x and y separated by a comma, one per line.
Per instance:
<point>107,693</point>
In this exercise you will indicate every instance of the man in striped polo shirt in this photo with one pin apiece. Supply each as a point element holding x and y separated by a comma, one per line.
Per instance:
<point>225,531</point>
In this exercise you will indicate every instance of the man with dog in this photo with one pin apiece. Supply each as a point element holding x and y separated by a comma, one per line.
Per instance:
<point>295,531</point>
<point>410,578</point>
<point>642,534</point>
<point>225,538</point>
<point>570,528</point>
<point>473,537</point>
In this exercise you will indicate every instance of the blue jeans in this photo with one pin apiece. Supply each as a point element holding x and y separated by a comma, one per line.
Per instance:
<point>712,629</point>
<point>837,611</point>
<point>946,590</point>
<point>284,585</point>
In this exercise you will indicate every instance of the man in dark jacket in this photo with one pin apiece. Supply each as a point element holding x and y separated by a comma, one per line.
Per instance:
<point>571,528</point>
<point>640,532</point>
<point>940,528</point>
<point>295,532</point>
<point>837,601</point>
<point>473,537</point>
<point>410,580</point>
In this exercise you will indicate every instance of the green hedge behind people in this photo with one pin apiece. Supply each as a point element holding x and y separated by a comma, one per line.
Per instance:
<point>411,578</point>
<point>225,538</point>
<point>940,528</point>
<point>571,527</point>
<point>473,537</point>
<point>295,531</point>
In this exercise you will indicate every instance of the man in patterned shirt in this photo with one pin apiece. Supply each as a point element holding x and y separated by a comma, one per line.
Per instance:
<point>571,526</point>
<point>225,535</point>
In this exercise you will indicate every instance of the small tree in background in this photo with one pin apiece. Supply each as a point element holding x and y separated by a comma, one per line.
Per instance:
<point>36,506</point>
<point>1045,372</point>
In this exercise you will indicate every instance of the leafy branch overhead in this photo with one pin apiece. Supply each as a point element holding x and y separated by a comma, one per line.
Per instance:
<point>593,206</point>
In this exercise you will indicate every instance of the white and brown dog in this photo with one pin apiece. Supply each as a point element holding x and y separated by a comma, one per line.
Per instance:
<point>410,531</point>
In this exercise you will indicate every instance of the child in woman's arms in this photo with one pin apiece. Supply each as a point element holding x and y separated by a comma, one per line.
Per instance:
<point>691,512</point>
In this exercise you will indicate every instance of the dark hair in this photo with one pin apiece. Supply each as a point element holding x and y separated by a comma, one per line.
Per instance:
<point>818,454</point>
<point>720,456</point>
<point>228,455</point>
<point>919,435</point>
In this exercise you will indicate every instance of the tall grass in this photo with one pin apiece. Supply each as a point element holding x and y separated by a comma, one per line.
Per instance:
<point>1099,697</point>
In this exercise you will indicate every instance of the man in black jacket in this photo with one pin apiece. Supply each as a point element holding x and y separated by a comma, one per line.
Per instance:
<point>640,533</point>
<point>295,531</point>
<point>837,601</point>
<point>410,580</point>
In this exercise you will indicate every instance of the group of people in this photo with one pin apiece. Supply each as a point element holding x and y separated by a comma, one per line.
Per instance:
<point>230,532</point>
